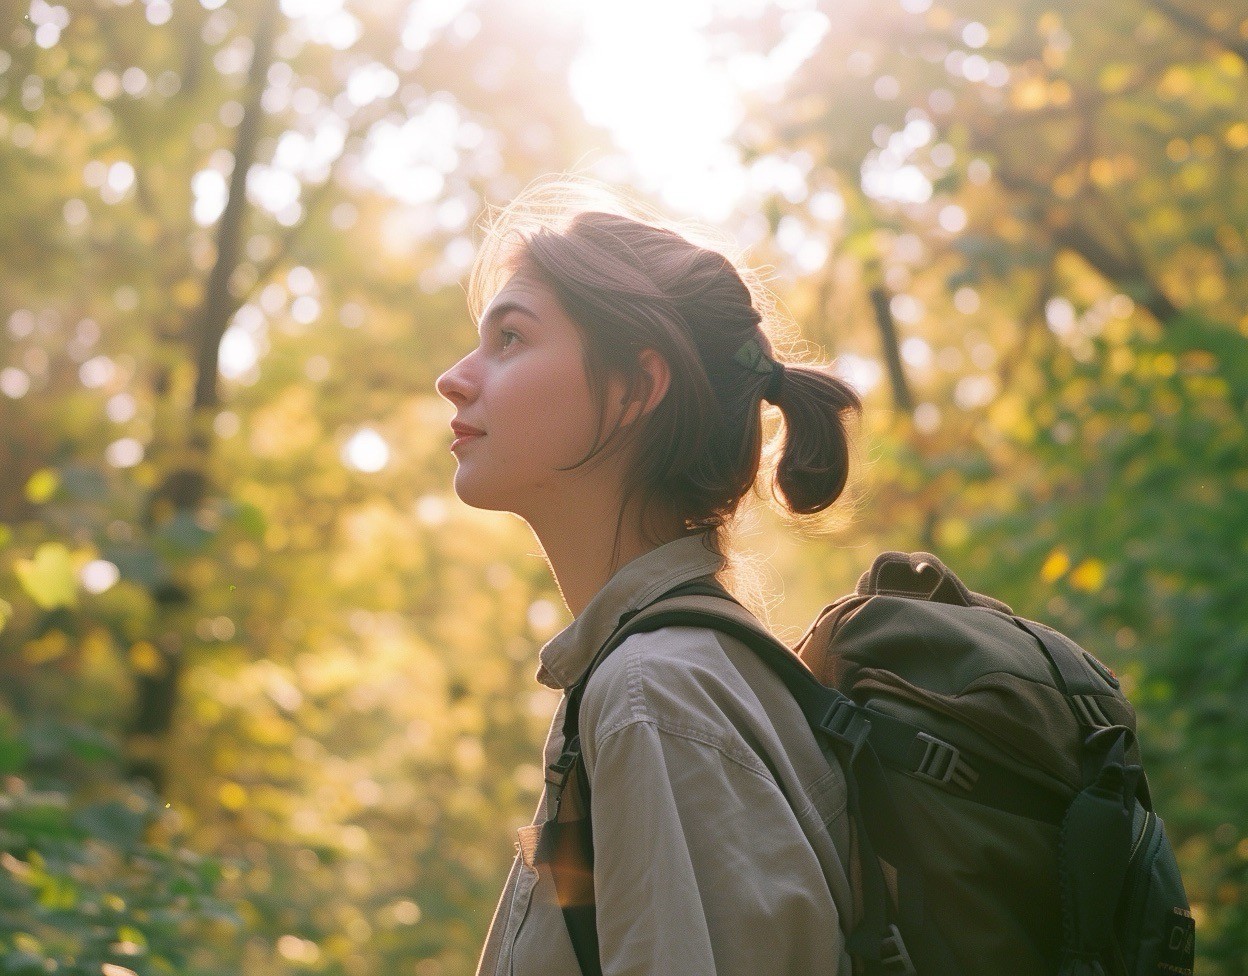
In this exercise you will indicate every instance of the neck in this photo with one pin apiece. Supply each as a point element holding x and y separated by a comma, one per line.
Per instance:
<point>578,536</point>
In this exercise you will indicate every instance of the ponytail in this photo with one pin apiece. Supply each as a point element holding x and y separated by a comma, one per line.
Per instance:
<point>813,466</point>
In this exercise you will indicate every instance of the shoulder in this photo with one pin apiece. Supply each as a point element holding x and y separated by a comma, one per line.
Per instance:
<point>682,680</point>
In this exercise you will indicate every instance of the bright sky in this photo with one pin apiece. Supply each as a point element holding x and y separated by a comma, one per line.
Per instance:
<point>648,75</point>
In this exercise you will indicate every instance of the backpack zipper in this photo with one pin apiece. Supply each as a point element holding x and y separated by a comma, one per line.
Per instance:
<point>1148,814</point>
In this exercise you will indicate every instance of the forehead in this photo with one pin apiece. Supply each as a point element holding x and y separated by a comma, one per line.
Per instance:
<point>527,291</point>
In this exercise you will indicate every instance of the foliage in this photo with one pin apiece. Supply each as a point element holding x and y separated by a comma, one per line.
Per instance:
<point>1020,234</point>
<point>94,875</point>
<point>1047,221</point>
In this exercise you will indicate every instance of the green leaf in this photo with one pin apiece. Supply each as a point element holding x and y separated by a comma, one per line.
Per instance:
<point>49,578</point>
<point>113,822</point>
<point>41,814</point>
<point>250,519</point>
<point>84,484</point>
<point>21,963</point>
<point>12,749</point>
<point>183,535</point>
<point>139,564</point>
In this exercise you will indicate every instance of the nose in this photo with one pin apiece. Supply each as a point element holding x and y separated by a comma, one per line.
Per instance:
<point>456,384</point>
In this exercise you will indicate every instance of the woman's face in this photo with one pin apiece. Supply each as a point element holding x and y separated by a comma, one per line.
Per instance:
<point>524,387</point>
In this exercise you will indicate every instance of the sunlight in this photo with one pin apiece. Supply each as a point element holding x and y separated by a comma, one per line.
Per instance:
<point>645,74</point>
<point>324,21</point>
<point>648,73</point>
<point>366,451</point>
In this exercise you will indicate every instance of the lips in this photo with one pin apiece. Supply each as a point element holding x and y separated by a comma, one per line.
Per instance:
<point>464,433</point>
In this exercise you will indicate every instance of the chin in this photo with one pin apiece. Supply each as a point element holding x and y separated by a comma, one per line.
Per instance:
<point>473,493</point>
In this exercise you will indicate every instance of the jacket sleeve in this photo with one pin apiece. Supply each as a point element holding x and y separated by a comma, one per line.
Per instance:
<point>700,866</point>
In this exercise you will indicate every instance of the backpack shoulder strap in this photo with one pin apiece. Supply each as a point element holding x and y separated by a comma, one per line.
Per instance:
<point>705,604</point>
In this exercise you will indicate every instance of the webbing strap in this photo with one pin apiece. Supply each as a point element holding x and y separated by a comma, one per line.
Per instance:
<point>832,713</point>
<point>572,714</point>
<point>566,846</point>
<point>1074,676</point>
<point>898,743</point>
<point>1076,681</point>
<point>1094,853</point>
<point>908,748</point>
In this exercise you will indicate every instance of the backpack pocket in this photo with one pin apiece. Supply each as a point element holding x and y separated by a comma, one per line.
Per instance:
<point>1154,930</point>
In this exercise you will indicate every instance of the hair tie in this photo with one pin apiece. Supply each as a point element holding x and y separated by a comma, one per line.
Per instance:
<point>772,393</point>
<point>752,357</point>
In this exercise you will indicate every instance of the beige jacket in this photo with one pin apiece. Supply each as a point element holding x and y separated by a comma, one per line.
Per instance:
<point>720,828</point>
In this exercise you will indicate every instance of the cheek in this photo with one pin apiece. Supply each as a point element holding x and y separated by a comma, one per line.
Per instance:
<point>548,412</point>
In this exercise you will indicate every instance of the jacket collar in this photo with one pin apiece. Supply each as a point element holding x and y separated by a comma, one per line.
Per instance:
<point>566,655</point>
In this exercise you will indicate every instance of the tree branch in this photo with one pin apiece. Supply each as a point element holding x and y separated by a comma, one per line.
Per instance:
<point>211,320</point>
<point>1198,25</point>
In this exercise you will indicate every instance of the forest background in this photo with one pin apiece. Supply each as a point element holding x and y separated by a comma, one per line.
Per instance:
<point>266,687</point>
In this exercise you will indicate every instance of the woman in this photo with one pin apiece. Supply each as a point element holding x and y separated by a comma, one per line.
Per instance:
<point>614,403</point>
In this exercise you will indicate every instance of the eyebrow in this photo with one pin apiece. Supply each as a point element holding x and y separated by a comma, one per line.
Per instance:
<point>496,312</point>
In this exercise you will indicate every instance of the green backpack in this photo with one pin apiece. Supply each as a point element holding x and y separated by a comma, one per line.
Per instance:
<point>1001,816</point>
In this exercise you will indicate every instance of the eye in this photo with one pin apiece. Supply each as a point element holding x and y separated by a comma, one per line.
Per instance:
<point>504,335</point>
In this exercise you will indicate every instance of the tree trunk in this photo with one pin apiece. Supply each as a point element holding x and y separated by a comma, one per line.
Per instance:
<point>891,349</point>
<point>187,484</point>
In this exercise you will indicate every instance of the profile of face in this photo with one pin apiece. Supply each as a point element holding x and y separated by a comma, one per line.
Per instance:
<point>524,388</point>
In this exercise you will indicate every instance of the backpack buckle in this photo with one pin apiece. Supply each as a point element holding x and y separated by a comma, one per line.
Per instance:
<point>894,957</point>
<point>557,775</point>
<point>942,763</point>
<point>847,723</point>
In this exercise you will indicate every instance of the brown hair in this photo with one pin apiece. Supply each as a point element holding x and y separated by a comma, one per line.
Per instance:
<point>631,280</point>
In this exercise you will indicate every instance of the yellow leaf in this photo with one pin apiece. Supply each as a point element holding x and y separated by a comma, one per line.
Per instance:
<point>47,648</point>
<point>1122,361</point>
<point>1115,77</point>
<point>48,578</point>
<point>1031,94</point>
<point>1049,22</point>
<point>1089,575</point>
<point>42,485</point>
<point>186,293</point>
<point>128,933</point>
<point>953,532</point>
<point>1102,172</point>
<point>1231,64</point>
<point>1175,83</point>
<point>146,659</point>
<point>1067,185</point>
<point>1053,568</point>
<point>6,611</point>
<point>1211,288</point>
<point>232,796</point>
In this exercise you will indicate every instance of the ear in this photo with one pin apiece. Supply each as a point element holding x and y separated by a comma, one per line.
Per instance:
<point>658,377</point>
